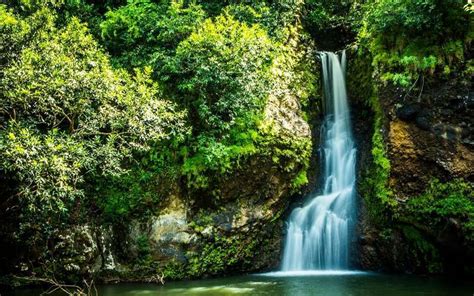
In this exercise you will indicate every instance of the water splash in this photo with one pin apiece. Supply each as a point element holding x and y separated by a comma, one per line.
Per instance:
<point>318,233</point>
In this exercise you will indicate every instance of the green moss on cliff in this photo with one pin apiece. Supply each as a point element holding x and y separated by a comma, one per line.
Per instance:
<point>413,39</point>
<point>374,186</point>
<point>378,196</point>
<point>439,216</point>
<point>220,255</point>
<point>442,201</point>
<point>425,255</point>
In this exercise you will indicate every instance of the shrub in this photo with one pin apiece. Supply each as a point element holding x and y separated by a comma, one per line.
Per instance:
<point>412,38</point>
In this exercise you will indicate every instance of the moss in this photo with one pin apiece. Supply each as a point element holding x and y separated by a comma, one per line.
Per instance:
<point>290,153</point>
<point>200,221</point>
<point>174,271</point>
<point>219,157</point>
<point>300,179</point>
<point>424,253</point>
<point>381,197</point>
<point>222,254</point>
<point>215,257</point>
<point>374,185</point>
<point>441,201</point>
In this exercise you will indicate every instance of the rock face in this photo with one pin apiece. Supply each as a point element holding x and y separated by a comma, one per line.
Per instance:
<point>413,139</point>
<point>417,156</point>
<point>235,225</point>
<point>84,249</point>
<point>427,136</point>
<point>285,111</point>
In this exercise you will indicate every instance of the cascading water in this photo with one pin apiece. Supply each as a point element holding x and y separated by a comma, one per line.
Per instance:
<point>318,233</point>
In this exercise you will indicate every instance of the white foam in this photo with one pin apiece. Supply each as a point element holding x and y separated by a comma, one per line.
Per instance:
<point>228,289</point>
<point>313,273</point>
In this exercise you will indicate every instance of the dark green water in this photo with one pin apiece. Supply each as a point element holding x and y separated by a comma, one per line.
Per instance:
<point>327,285</point>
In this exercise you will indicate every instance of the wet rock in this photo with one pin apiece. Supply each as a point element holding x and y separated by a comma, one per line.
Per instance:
<point>458,104</point>
<point>423,120</point>
<point>167,235</point>
<point>448,132</point>
<point>417,155</point>
<point>76,250</point>
<point>408,112</point>
<point>470,101</point>
<point>446,112</point>
<point>224,221</point>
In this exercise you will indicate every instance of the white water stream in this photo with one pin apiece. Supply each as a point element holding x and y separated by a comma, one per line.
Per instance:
<point>318,234</point>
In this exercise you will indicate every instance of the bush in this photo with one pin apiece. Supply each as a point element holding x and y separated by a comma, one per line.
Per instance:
<point>411,38</point>
<point>441,201</point>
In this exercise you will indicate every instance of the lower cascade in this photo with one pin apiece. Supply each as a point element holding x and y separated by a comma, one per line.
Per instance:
<point>318,234</point>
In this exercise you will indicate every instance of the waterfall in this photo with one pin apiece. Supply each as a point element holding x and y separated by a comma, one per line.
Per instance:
<point>318,234</point>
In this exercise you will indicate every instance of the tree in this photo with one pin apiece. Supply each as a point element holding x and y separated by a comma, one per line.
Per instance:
<point>146,32</point>
<point>69,116</point>
<point>221,73</point>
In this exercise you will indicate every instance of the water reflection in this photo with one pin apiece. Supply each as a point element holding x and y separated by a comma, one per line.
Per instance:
<point>274,284</point>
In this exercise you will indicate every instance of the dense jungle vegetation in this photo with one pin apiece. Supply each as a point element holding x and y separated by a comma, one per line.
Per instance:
<point>103,104</point>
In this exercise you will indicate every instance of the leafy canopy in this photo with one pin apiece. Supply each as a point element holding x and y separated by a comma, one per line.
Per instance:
<point>67,115</point>
<point>220,73</point>
<point>148,32</point>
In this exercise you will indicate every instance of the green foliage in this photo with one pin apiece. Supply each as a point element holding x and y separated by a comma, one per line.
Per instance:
<point>275,16</point>
<point>332,17</point>
<point>426,255</point>
<point>300,179</point>
<point>47,166</point>
<point>17,33</point>
<point>129,194</point>
<point>441,201</point>
<point>221,255</point>
<point>143,249</point>
<point>221,73</point>
<point>138,191</point>
<point>147,33</point>
<point>289,153</point>
<point>211,156</point>
<point>69,116</point>
<point>31,6</point>
<point>375,185</point>
<point>113,137</point>
<point>248,14</point>
<point>83,135</point>
<point>218,69</point>
<point>404,19</point>
<point>174,271</point>
<point>411,38</point>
